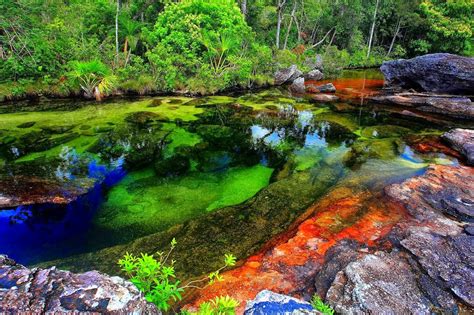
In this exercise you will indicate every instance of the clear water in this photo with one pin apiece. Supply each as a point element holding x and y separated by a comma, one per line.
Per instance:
<point>221,173</point>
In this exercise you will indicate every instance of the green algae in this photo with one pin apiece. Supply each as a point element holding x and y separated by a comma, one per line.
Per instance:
<point>143,203</point>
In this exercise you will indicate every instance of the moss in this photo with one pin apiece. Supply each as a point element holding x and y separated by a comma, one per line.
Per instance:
<point>345,120</point>
<point>142,203</point>
<point>384,131</point>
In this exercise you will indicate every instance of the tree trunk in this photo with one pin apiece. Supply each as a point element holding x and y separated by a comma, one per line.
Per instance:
<point>372,29</point>
<point>116,31</point>
<point>281,4</point>
<point>289,26</point>
<point>394,36</point>
<point>243,8</point>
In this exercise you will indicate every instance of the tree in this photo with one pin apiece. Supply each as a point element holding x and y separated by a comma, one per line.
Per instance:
<point>372,30</point>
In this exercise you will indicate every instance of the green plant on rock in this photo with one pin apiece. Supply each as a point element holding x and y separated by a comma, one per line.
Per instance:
<point>220,305</point>
<point>318,304</point>
<point>94,78</point>
<point>156,278</point>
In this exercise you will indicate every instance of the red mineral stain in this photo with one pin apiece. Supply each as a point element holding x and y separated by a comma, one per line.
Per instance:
<point>352,88</point>
<point>340,215</point>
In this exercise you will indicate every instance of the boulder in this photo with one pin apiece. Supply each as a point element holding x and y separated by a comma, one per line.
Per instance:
<point>268,302</point>
<point>297,86</point>
<point>51,290</point>
<point>323,98</point>
<point>314,75</point>
<point>287,75</point>
<point>437,73</point>
<point>325,88</point>
<point>462,140</point>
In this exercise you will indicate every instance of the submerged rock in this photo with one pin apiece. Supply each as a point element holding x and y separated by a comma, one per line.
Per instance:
<point>268,302</point>
<point>56,291</point>
<point>287,75</point>
<point>437,73</point>
<point>323,98</point>
<point>325,88</point>
<point>462,140</point>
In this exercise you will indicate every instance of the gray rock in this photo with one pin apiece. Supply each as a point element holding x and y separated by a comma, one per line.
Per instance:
<point>314,75</point>
<point>56,291</point>
<point>335,260</point>
<point>462,140</point>
<point>378,283</point>
<point>268,302</point>
<point>447,258</point>
<point>297,86</point>
<point>287,75</point>
<point>438,73</point>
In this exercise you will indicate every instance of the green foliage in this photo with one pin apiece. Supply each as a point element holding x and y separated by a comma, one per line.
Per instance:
<point>156,278</point>
<point>319,305</point>
<point>202,41</point>
<point>93,77</point>
<point>221,305</point>
<point>450,24</point>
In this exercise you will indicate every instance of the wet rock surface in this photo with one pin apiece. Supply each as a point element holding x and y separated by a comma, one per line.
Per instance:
<point>453,106</point>
<point>314,75</point>
<point>297,86</point>
<point>437,73</point>
<point>56,291</point>
<point>325,88</point>
<point>28,190</point>
<point>462,140</point>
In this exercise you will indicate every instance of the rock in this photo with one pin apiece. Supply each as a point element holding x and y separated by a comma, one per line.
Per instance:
<point>297,86</point>
<point>325,88</point>
<point>314,75</point>
<point>142,118</point>
<point>441,190</point>
<point>379,283</point>
<point>268,302</point>
<point>448,258</point>
<point>336,259</point>
<point>462,140</point>
<point>56,291</point>
<point>457,107</point>
<point>26,124</point>
<point>287,75</point>
<point>28,190</point>
<point>323,98</point>
<point>438,73</point>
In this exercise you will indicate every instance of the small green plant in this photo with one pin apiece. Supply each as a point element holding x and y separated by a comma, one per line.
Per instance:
<point>319,305</point>
<point>221,305</point>
<point>156,278</point>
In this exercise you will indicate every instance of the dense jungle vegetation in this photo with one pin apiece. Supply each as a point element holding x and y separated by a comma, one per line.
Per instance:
<point>96,47</point>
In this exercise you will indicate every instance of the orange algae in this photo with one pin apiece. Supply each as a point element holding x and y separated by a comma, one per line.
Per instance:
<point>342,214</point>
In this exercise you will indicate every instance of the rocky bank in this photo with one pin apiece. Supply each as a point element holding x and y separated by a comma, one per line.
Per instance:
<point>51,290</point>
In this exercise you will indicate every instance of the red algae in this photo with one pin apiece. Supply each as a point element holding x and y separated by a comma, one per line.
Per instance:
<point>297,257</point>
<point>353,88</point>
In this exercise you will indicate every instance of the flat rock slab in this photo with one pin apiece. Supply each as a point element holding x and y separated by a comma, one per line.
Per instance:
<point>453,106</point>
<point>27,190</point>
<point>55,291</point>
<point>462,140</point>
<point>437,73</point>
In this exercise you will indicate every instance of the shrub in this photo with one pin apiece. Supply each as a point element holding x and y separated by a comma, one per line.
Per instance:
<point>156,277</point>
<point>94,77</point>
<point>319,305</point>
<point>221,305</point>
